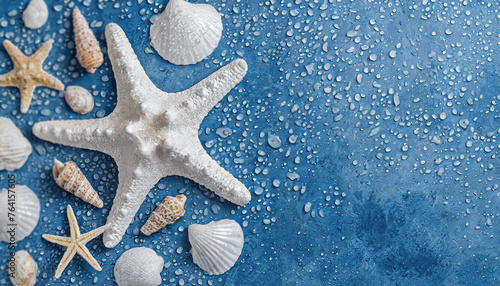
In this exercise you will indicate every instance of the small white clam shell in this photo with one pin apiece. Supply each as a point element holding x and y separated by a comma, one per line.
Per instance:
<point>14,147</point>
<point>79,99</point>
<point>22,269</point>
<point>36,14</point>
<point>216,246</point>
<point>26,214</point>
<point>139,266</point>
<point>186,33</point>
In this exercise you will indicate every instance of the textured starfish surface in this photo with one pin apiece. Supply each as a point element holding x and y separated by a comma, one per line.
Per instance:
<point>28,72</point>
<point>151,134</point>
<point>75,243</point>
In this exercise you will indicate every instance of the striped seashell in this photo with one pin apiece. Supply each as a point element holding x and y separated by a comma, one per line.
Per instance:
<point>88,52</point>
<point>22,269</point>
<point>170,210</point>
<point>79,99</point>
<point>14,147</point>
<point>26,214</point>
<point>69,177</point>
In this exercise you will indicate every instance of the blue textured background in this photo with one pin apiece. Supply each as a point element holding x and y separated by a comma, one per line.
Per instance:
<point>363,190</point>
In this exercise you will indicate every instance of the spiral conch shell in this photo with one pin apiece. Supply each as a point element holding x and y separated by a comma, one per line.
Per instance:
<point>88,52</point>
<point>170,210</point>
<point>69,177</point>
<point>79,99</point>
<point>22,269</point>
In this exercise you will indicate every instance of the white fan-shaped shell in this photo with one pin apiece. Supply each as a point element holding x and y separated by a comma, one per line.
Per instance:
<point>79,99</point>
<point>216,246</point>
<point>14,147</point>
<point>186,33</point>
<point>22,269</point>
<point>27,213</point>
<point>139,266</point>
<point>36,14</point>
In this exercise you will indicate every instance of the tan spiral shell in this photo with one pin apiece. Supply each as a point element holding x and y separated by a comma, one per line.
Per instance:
<point>79,99</point>
<point>88,52</point>
<point>170,210</point>
<point>22,269</point>
<point>69,177</point>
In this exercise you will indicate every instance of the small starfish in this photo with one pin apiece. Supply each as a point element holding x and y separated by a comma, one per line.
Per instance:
<point>75,243</point>
<point>151,134</point>
<point>28,72</point>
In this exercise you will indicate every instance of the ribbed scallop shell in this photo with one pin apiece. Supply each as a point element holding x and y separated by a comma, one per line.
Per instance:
<point>36,14</point>
<point>186,33</point>
<point>14,147</point>
<point>169,210</point>
<point>23,269</point>
<point>69,177</point>
<point>79,99</point>
<point>139,266</point>
<point>26,215</point>
<point>88,52</point>
<point>216,246</point>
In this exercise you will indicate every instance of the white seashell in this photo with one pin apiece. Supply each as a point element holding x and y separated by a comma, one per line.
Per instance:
<point>26,214</point>
<point>88,52</point>
<point>79,99</point>
<point>14,147</point>
<point>216,246</point>
<point>186,33</point>
<point>139,266</point>
<point>69,177</point>
<point>22,269</point>
<point>36,14</point>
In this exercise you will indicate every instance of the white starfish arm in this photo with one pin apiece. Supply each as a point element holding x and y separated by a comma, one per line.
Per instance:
<point>204,170</point>
<point>86,237</point>
<point>207,93</point>
<point>67,257</point>
<point>85,253</point>
<point>134,183</point>
<point>88,134</point>
<point>129,74</point>
<point>73,223</point>
<point>61,240</point>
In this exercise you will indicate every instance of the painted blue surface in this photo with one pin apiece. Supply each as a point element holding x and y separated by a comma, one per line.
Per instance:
<point>361,191</point>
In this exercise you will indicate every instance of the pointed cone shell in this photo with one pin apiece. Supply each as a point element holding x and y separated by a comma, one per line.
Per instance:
<point>216,246</point>
<point>88,52</point>
<point>79,99</point>
<point>170,210</point>
<point>14,147</point>
<point>139,266</point>
<point>186,33</point>
<point>24,270</point>
<point>25,216</point>
<point>69,177</point>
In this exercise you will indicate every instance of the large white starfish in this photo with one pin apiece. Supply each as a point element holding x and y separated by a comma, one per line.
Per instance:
<point>151,134</point>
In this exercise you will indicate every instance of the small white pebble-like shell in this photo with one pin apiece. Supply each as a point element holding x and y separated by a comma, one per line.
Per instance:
<point>139,266</point>
<point>22,269</point>
<point>26,214</point>
<point>216,246</point>
<point>14,147</point>
<point>79,99</point>
<point>36,14</point>
<point>186,33</point>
